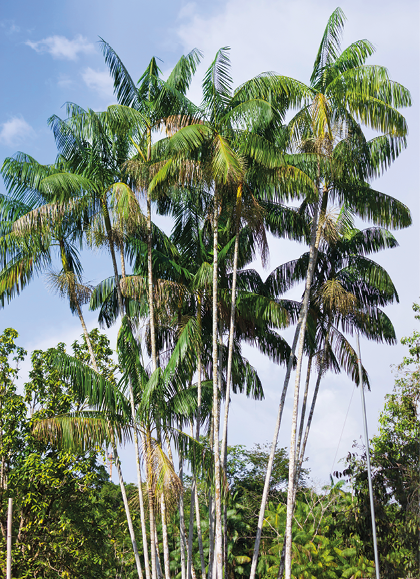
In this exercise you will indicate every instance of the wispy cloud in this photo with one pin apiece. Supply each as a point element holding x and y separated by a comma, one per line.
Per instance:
<point>62,48</point>
<point>15,131</point>
<point>99,81</point>
<point>64,81</point>
<point>9,26</point>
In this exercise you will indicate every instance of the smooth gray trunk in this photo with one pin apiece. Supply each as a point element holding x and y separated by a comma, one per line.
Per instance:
<point>197,437</point>
<point>165,538</point>
<point>181,520</point>
<point>115,452</point>
<point>301,324</point>
<point>231,333</point>
<point>292,453</point>
<point>216,407</point>
<point>127,512</point>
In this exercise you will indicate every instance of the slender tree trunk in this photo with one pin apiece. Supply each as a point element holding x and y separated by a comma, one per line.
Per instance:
<point>123,273</point>
<point>216,407</point>
<point>181,519</point>
<point>87,338</point>
<point>302,331</point>
<point>142,517</point>
<point>231,327</point>
<point>229,364</point>
<point>135,435</point>
<point>277,426</point>
<point>305,401</point>
<point>199,534</point>
<point>158,565</point>
<point>150,263</point>
<point>197,437</point>
<point>127,511</point>
<point>211,512</point>
<point>165,537</point>
<point>300,451</point>
<point>153,547</point>
<point>191,521</point>
<point>9,539</point>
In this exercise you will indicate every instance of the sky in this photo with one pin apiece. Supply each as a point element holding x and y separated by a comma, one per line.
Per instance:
<point>51,56</point>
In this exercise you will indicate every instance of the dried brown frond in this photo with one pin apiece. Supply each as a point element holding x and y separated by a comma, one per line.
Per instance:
<point>42,218</point>
<point>174,123</point>
<point>65,284</point>
<point>161,475</point>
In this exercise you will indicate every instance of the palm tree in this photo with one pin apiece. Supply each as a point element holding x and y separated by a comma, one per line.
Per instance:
<point>345,94</point>
<point>208,153</point>
<point>347,290</point>
<point>67,195</point>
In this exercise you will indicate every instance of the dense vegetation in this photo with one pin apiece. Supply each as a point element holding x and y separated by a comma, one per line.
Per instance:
<point>227,172</point>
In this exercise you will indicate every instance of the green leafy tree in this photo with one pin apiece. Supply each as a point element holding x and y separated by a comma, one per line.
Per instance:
<point>60,525</point>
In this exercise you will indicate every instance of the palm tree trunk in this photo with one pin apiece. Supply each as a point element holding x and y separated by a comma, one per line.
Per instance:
<point>197,437</point>
<point>302,423</point>
<point>292,453</point>
<point>153,548</point>
<point>278,421</point>
<point>231,327</point>
<point>158,565</point>
<point>181,519</point>
<point>135,434</point>
<point>87,338</point>
<point>165,537</point>
<point>191,521</point>
<point>301,448</point>
<point>142,516</point>
<point>305,401</point>
<point>150,263</point>
<point>199,534</point>
<point>127,512</point>
<point>211,509</point>
<point>216,407</point>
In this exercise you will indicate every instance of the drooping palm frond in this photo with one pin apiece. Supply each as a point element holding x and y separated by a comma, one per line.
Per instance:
<point>83,431</point>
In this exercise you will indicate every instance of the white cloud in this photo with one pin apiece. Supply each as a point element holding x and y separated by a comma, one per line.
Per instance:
<point>15,131</point>
<point>61,47</point>
<point>99,81</point>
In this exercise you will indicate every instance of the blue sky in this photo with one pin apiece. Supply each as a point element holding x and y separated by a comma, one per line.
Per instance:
<point>50,56</point>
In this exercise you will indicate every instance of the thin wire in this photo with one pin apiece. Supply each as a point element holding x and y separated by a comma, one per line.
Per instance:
<point>344,424</point>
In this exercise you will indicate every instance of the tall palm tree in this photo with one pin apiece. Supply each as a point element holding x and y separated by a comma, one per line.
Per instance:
<point>209,153</point>
<point>36,223</point>
<point>346,93</point>
<point>347,290</point>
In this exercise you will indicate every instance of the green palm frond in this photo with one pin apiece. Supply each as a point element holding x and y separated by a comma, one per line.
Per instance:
<point>124,87</point>
<point>329,48</point>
